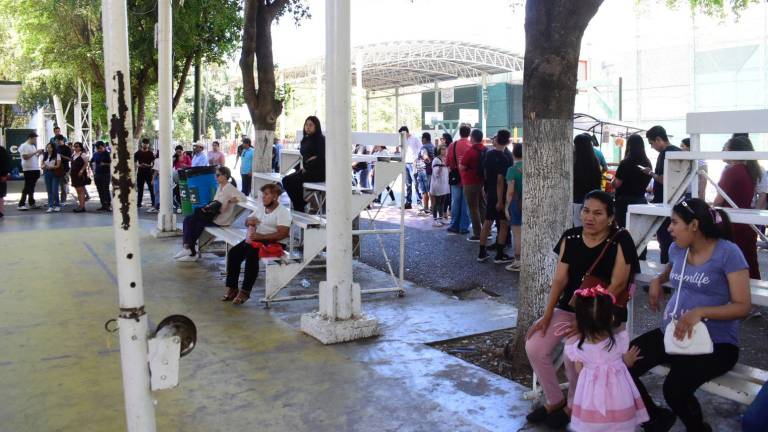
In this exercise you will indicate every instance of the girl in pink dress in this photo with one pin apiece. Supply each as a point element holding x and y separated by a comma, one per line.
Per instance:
<point>606,398</point>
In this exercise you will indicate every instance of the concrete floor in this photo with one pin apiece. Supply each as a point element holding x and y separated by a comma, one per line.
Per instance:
<point>252,368</point>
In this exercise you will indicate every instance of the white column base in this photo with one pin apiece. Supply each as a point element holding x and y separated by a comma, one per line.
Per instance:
<point>330,332</point>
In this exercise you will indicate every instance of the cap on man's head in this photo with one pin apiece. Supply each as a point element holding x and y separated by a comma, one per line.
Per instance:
<point>198,144</point>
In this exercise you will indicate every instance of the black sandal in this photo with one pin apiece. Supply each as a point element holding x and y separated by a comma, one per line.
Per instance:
<point>558,419</point>
<point>538,415</point>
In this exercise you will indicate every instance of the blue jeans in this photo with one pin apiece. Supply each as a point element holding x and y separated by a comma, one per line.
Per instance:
<point>422,183</point>
<point>364,178</point>
<point>757,414</point>
<point>52,187</point>
<point>156,186</point>
<point>459,210</point>
<point>409,184</point>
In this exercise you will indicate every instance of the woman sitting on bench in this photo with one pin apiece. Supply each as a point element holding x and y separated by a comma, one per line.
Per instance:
<point>268,226</point>
<point>312,167</point>
<point>715,291</point>
<point>219,212</point>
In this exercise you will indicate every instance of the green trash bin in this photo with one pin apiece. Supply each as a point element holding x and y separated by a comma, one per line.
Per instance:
<point>197,187</point>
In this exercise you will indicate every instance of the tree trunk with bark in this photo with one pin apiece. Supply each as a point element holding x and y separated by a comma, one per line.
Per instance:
<point>262,104</point>
<point>553,30</point>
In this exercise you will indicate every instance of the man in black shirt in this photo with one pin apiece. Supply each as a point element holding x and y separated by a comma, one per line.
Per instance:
<point>495,163</point>
<point>657,138</point>
<point>5,171</point>
<point>144,159</point>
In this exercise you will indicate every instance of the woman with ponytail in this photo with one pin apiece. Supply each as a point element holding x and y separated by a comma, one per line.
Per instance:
<point>739,181</point>
<point>714,290</point>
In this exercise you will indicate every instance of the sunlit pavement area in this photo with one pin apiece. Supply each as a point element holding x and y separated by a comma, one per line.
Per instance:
<point>252,368</point>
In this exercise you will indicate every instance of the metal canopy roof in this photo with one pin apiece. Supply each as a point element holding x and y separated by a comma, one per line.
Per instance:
<point>413,63</point>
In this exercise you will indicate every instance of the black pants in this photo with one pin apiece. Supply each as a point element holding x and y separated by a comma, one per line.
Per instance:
<point>686,374</point>
<point>144,176</point>
<point>665,240</point>
<point>30,181</point>
<point>622,202</point>
<point>246,179</point>
<point>294,186</point>
<point>239,253</point>
<point>102,185</point>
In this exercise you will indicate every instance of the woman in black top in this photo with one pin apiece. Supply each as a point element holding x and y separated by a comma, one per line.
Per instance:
<point>312,167</point>
<point>578,249</point>
<point>79,174</point>
<point>630,180</point>
<point>586,173</point>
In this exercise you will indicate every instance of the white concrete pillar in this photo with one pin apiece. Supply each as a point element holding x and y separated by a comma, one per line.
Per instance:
<point>232,122</point>
<point>61,121</point>
<point>339,318</point>
<point>78,113</point>
<point>359,92</point>
<point>166,218</point>
<point>484,104</point>
<point>132,319</point>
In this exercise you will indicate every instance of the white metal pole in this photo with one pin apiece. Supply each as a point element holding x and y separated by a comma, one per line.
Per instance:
<point>232,123</point>
<point>338,300</point>
<point>367,112</point>
<point>359,92</point>
<point>437,101</point>
<point>397,114</point>
<point>132,321</point>
<point>484,104</point>
<point>402,210</point>
<point>318,89</point>
<point>78,113</point>
<point>166,219</point>
<point>89,117</point>
<point>283,118</point>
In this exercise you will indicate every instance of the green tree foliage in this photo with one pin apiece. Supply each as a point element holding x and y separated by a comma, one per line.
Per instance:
<point>60,41</point>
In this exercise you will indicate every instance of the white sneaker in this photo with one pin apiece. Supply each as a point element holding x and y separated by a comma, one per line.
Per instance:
<point>514,266</point>
<point>50,210</point>
<point>151,210</point>
<point>437,223</point>
<point>57,209</point>
<point>189,258</point>
<point>181,253</point>
<point>23,208</point>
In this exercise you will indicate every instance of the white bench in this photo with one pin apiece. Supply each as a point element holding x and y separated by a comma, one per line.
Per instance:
<point>742,383</point>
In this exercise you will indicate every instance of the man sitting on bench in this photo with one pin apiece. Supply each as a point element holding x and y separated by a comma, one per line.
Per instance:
<point>268,227</point>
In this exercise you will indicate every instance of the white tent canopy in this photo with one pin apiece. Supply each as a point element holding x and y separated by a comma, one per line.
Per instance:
<point>9,92</point>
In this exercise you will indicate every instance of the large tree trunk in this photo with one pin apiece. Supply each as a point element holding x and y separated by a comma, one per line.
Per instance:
<point>553,32</point>
<point>182,82</point>
<point>262,105</point>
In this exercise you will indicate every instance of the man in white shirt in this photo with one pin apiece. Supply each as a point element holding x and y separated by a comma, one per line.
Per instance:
<point>30,165</point>
<point>268,229</point>
<point>411,152</point>
<point>199,158</point>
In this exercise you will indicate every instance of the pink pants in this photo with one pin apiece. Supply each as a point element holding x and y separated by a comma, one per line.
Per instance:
<point>539,350</point>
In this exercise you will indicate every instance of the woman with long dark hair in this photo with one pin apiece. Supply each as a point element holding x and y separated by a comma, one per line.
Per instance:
<point>51,164</point>
<point>579,250</point>
<point>312,167</point>
<point>79,174</point>
<point>739,181</point>
<point>715,291</point>
<point>630,180</point>
<point>586,173</point>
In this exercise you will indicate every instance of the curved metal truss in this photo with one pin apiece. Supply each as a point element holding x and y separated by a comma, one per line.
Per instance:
<point>415,63</point>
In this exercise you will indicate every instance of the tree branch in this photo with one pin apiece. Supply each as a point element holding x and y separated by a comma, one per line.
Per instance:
<point>182,80</point>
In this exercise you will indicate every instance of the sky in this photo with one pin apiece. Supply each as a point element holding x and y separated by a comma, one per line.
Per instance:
<point>488,22</point>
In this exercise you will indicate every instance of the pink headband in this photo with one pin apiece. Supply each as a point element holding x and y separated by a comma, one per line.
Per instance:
<point>594,292</point>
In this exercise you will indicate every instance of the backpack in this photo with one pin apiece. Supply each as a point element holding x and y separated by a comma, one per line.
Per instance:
<point>481,162</point>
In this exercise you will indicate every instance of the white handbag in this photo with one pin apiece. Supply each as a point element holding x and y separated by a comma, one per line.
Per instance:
<point>698,343</point>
